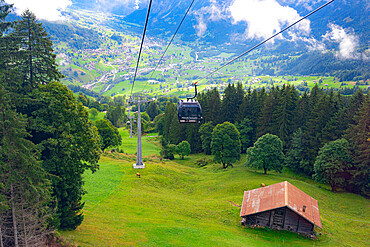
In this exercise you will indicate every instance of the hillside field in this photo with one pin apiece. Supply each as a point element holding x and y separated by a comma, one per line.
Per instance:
<point>177,203</point>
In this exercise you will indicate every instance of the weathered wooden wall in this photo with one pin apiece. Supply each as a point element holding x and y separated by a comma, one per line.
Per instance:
<point>281,219</point>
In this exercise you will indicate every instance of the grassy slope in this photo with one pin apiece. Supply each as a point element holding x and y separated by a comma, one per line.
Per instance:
<point>178,204</point>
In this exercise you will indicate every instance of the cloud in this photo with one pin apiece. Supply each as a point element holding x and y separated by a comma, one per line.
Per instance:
<point>130,5</point>
<point>266,17</point>
<point>43,9</point>
<point>347,40</point>
<point>201,26</point>
<point>213,12</point>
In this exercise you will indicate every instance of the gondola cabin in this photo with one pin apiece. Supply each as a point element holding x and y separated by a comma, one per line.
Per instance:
<point>189,111</point>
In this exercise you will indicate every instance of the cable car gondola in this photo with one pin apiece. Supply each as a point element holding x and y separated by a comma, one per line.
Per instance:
<point>189,111</point>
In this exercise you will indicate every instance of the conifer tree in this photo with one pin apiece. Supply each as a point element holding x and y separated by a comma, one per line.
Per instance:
<point>265,121</point>
<point>169,115</point>
<point>229,105</point>
<point>192,135</point>
<point>35,59</point>
<point>211,106</point>
<point>24,189</point>
<point>303,111</point>
<point>295,156</point>
<point>285,114</point>
<point>246,134</point>
<point>152,110</point>
<point>205,131</point>
<point>359,138</point>
<point>175,132</point>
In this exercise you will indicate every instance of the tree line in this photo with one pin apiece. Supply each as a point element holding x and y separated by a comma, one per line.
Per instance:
<point>46,139</point>
<point>305,125</point>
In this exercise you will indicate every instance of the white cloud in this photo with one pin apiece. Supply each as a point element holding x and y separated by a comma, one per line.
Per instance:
<point>131,5</point>
<point>213,12</point>
<point>201,26</point>
<point>347,40</point>
<point>266,17</point>
<point>43,9</point>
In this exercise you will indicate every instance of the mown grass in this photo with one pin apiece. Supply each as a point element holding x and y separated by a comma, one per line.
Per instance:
<point>177,203</point>
<point>150,144</point>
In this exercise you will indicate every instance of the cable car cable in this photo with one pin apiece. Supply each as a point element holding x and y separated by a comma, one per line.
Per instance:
<point>141,46</point>
<point>273,36</point>
<point>173,36</point>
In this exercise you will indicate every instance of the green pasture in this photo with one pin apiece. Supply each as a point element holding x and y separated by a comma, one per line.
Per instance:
<point>150,143</point>
<point>177,203</point>
<point>98,117</point>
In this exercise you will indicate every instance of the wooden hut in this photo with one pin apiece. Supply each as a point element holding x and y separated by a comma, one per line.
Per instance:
<point>281,206</point>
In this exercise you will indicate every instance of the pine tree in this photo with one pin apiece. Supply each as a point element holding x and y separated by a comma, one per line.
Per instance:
<point>192,135</point>
<point>359,138</point>
<point>295,156</point>
<point>152,110</point>
<point>265,121</point>
<point>211,106</point>
<point>303,110</point>
<point>24,189</point>
<point>229,104</point>
<point>205,131</point>
<point>169,113</point>
<point>285,114</point>
<point>321,114</point>
<point>246,133</point>
<point>35,58</point>
<point>175,132</point>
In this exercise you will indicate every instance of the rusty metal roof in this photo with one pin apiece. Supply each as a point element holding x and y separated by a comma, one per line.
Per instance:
<point>279,195</point>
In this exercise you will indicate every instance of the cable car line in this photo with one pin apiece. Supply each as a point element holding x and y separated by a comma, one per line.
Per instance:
<point>141,46</point>
<point>266,40</point>
<point>173,36</point>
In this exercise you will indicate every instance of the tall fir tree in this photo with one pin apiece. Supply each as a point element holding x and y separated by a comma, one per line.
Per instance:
<point>358,135</point>
<point>229,104</point>
<point>265,121</point>
<point>35,59</point>
<point>285,113</point>
<point>169,116</point>
<point>24,188</point>
<point>205,131</point>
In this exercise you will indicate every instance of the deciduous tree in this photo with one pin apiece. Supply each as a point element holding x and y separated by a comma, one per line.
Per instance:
<point>267,153</point>
<point>332,162</point>
<point>225,144</point>
<point>69,143</point>
<point>183,149</point>
<point>109,135</point>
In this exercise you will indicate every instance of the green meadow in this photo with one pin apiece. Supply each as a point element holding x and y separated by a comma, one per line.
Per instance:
<point>177,203</point>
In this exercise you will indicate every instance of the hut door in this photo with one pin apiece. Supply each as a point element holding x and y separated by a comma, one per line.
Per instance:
<point>278,218</point>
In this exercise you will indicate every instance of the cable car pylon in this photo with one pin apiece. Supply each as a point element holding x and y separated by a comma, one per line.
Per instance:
<point>139,155</point>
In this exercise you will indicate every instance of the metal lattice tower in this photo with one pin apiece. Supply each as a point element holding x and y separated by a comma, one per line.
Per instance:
<point>130,118</point>
<point>139,156</point>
